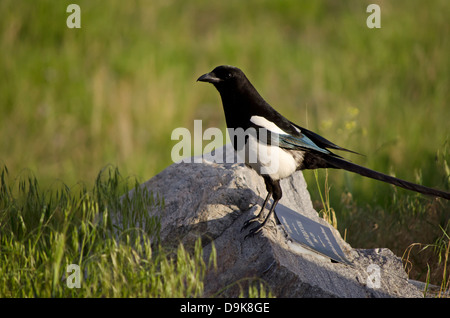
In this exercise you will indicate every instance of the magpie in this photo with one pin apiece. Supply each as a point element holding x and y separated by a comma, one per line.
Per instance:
<point>276,139</point>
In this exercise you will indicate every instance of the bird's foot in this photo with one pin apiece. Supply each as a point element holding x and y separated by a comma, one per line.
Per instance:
<point>254,231</point>
<point>248,222</point>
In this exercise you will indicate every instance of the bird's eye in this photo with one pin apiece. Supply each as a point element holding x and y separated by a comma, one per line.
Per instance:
<point>229,75</point>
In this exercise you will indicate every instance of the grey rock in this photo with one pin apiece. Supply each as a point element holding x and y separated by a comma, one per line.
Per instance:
<point>211,201</point>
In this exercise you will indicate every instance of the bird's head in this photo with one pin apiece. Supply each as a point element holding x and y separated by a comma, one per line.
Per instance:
<point>224,76</point>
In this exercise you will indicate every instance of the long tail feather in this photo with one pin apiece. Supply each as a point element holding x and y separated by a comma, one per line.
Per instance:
<point>346,165</point>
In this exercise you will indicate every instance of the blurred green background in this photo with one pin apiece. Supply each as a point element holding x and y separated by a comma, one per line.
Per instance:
<point>74,100</point>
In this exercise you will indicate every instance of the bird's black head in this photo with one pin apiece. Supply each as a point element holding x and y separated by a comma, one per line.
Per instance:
<point>224,76</point>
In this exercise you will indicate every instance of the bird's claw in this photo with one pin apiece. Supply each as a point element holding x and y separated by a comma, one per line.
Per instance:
<point>248,222</point>
<point>253,231</point>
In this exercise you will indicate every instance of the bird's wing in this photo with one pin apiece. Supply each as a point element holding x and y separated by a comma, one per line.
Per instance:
<point>321,141</point>
<point>287,140</point>
<point>299,143</point>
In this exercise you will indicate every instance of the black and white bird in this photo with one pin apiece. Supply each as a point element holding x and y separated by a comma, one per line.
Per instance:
<point>279,147</point>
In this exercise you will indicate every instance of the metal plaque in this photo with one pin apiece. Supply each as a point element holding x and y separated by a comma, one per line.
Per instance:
<point>310,234</point>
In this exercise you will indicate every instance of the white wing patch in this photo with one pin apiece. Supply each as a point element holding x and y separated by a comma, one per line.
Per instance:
<point>267,124</point>
<point>296,128</point>
<point>269,160</point>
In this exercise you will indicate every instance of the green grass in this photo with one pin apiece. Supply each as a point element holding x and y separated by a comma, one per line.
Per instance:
<point>110,237</point>
<point>42,234</point>
<point>72,101</point>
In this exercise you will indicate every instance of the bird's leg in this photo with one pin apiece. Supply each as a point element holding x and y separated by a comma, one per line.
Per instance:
<point>249,221</point>
<point>277,193</point>
<point>258,228</point>
<point>269,187</point>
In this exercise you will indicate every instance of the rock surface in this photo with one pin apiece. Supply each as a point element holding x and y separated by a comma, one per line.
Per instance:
<point>212,201</point>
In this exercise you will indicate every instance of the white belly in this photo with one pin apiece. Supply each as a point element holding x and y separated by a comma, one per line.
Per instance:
<point>269,160</point>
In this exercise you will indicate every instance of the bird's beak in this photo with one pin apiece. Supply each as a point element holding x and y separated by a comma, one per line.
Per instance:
<point>209,78</point>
